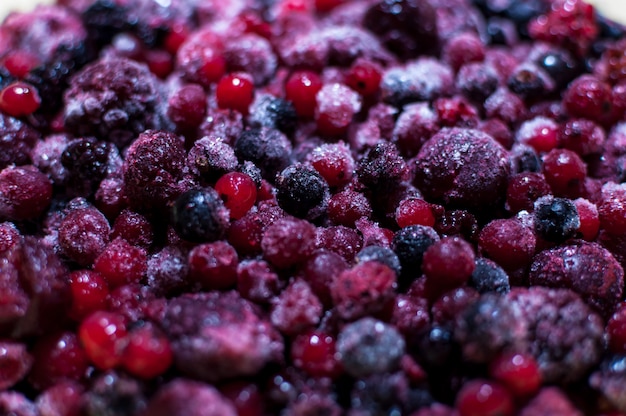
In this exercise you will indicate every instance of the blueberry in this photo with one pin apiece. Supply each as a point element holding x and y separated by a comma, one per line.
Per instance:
<point>410,244</point>
<point>556,219</point>
<point>267,148</point>
<point>489,277</point>
<point>275,113</point>
<point>199,215</point>
<point>561,67</point>
<point>301,191</point>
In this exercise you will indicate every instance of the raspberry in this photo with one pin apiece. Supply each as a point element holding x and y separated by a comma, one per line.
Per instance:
<point>449,165</point>
<point>339,239</point>
<point>83,235</point>
<point>586,268</point>
<point>257,281</point>
<point>201,328</point>
<point>103,100</point>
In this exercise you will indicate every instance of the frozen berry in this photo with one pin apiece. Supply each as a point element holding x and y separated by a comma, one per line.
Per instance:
<point>104,337</point>
<point>524,189</point>
<point>147,353</point>
<point>235,92</point>
<point>296,309</point>
<point>489,277</point>
<point>518,372</point>
<point>187,107</point>
<point>556,219</point>
<point>210,157</point>
<point>410,244</point>
<point>484,398</point>
<point>288,242</point>
<point>213,265</point>
<point>121,263</point>
<point>238,191</point>
<point>183,396</point>
<point>315,353</point>
<point>199,215</point>
<point>15,362</point>
<point>25,193</point>
<point>301,192</point>
<point>19,99</point>
<point>336,105</point>
<point>58,357</point>
<point>612,208</point>
<point>273,112</point>
<point>89,293</point>
<point>616,330</point>
<point>564,171</point>
<point>301,89</point>
<point>267,148</point>
<point>334,162</point>
<point>83,235</point>
<point>382,167</point>
<point>448,262</point>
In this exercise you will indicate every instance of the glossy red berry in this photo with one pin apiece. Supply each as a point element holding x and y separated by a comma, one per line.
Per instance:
<point>616,330</point>
<point>589,219</point>
<point>484,398</point>
<point>176,37</point>
<point>19,99</point>
<point>235,92</point>
<point>238,191</point>
<point>314,352</point>
<point>89,293</point>
<point>564,171</point>
<point>104,337</point>
<point>148,353</point>
<point>519,372</point>
<point>19,63</point>
<point>324,6</point>
<point>301,89</point>
<point>58,357</point>
<point>448,262</point>
<point>246,397</point>
<point>414,211</point>
<point>364,77</point>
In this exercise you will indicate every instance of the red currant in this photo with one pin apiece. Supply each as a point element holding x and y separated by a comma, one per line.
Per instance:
<point>19,63</point>
<point>616,330</point>
<point>148,353</point>
<point>104,337</point>
<point>58,357</point>
<point>301,89</point>
<point>484,398</point>
<point>19,99</point>
<point>364,77</point>
<point>238,191</point>
<point>518,372</point>
<point>236,92</point>
<point>314,353</point>
<point>89,293</point>
<point>414,211</point>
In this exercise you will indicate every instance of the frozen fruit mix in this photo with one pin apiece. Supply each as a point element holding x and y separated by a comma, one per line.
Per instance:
<point>298,207</point>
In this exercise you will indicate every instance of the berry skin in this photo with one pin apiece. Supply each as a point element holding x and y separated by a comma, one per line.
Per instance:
<point>588,97</point>
<point>296,309</point>
<point>19,99</point>
<point>564,171</point>
<point>315,353</point>
<point>484,398</point>
<point>556,219</point>
<point>336,105</point>
<point>235,92</point>
<point>612,208</point>
<point>524,189</point>
<point>121,263</point>
<point>518,372</point>
<point>83,235</point>
<point>89,293</point>
<point>104,337</point>
<point>288,242</point>
<point>414,211</point>
<point>449,263</point>
<point>58,357</point>
<point>589,219</point>
<point>616,330</point>
<point>238,191</point>
<point>364,77</point>
<point>16,363</point>
<point>410,244</point>
<point>334,162</point>
<point>187,107</point>
<point>148,353</point>
<point>199,215</point>
<point>213,265</point>
<point>267,148</point>
<point>301,89</point>
<point>25,193</point>
<point>301,191</point>
<point>273,112</point>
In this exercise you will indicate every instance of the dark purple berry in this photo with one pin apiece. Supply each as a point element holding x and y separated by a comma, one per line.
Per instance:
<point>301,192</point>
<point>273,112</point>
<point>489,277</point>
<point>267,148</point>
<point>556,219</point>
<point>199,215</point>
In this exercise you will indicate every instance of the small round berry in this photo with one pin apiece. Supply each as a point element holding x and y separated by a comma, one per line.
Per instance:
<point>199,215</point>
<point>148,353</point>
<point>541,133</point>
<point>19,62</point>
<point>612,208</point>
<point>288,242</point>
<point>235,92</point>
<point>410,244</point>
<point>484,398</point>
<point>524,189</point>
<point>449,262</point>
<point>213,265</point>
<point>19,99</point>
<point>519,372</point>
<point>187,106</point>
<point>25,193</point>
<point>334,162</point>
<point>58,357</point>
<point>89,293</point>
<point>273,112</point>
<point>238,191</point>
<point>104,337</point>
<point>616,330</point>
<point>301,89</point>
<point>269,149</point>
<point>588,97</point>
<point>462,49</point>
<point>301,191</point>
<point>488,276</point>
<point>556,219</point>
<point>508,242</point>
<point>589,219</point>
<point>582,136</point>
<point>380,254</point>
<point>314,352</point>
<point>364,77</point>
<point>414,211</point>
<point>564,171</point>
<point>336,105</point>
<point>297,309</point>
<point>121,263</point>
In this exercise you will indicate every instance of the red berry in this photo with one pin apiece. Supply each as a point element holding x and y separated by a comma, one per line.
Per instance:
<point>176,37</point>
<point>589,219</point>
<point>564,171</point>
<point>324,6</point>
<point>484,398</point>
<point>364,77</point>
<point>616,330</point>
<point>104,337</point>
<point>336,105</point>
<point>58,357</point>
<point>19,63</point>
<point>159,62</point>
<point>541,133</point>
<point>214,265</point>
<point>449,262</point>
<point>19,99</point>
<point>301,89</point>
<point>518,372</point>
<point>314,353</point>
<point>148,353</point>
<point>89,293</point>
<point>121,263</point>
<point>238,191</point>
<point>334,162</point>
<point>246,398</point>
<point>236,92</point>
<point>414,211</point>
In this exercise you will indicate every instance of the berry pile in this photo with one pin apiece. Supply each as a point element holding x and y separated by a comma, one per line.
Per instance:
<point>301,207</point>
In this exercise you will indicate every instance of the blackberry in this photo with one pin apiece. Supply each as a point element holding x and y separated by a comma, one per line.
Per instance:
<point>273,112</point>
<point>85,161</point>
<point>199,215</point>
<point>489,277</point>
<point>267,148</point>
<point>556,219</point>
<point>302,192</point>
<point>114,100</point>
<point>17,139</point>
